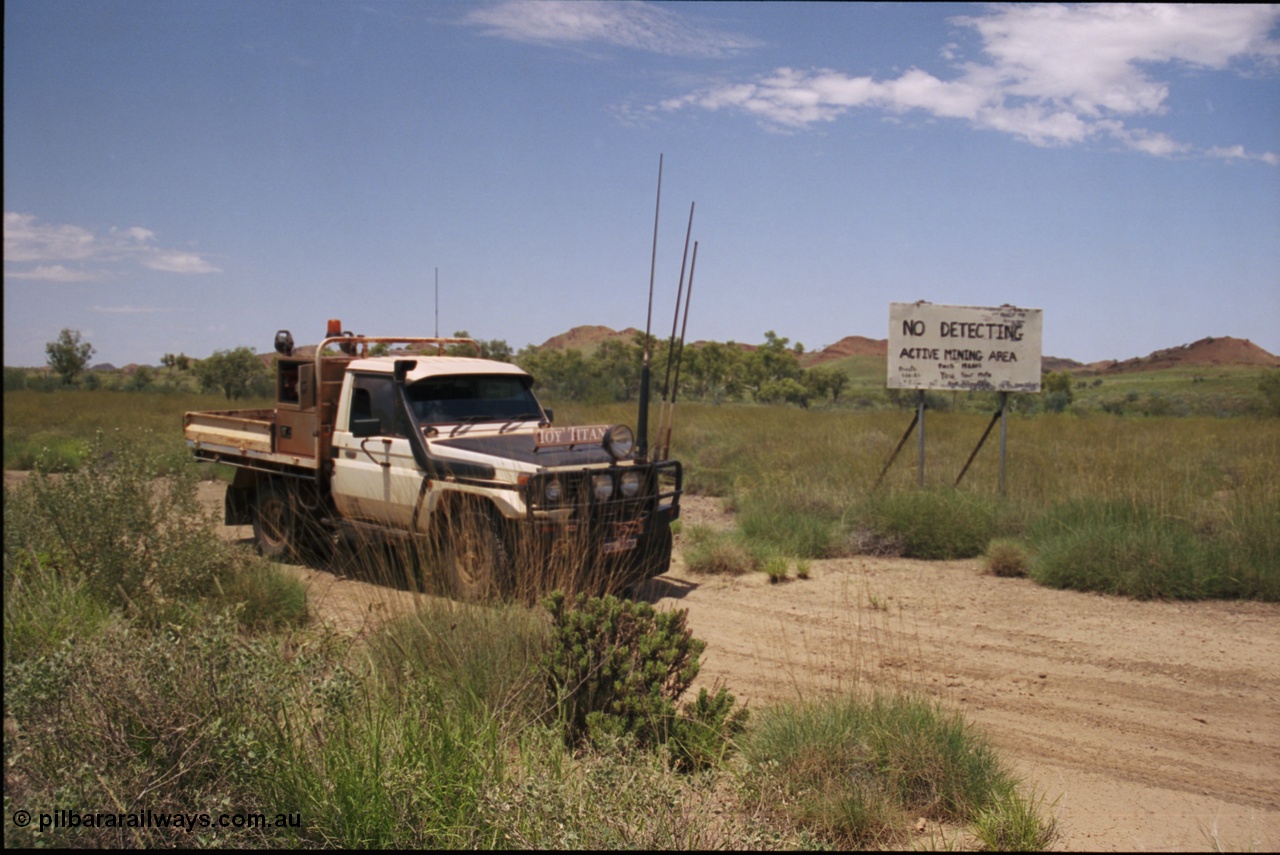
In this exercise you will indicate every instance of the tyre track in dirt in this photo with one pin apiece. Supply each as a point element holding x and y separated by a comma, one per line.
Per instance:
<point>1153,724</point>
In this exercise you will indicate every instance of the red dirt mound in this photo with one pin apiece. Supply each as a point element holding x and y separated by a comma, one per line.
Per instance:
<point>851,345</point>
<point>588,337</point>
<point>1206,351</point>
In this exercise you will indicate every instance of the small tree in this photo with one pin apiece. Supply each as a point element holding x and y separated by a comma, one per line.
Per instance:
<point>1269,386</point>
<point>1057,387</point>
<point>232,371</point>
<point>69,355</point>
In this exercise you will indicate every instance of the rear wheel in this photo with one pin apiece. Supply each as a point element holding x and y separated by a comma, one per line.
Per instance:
<point>275,528</point>
<point>476,562</point>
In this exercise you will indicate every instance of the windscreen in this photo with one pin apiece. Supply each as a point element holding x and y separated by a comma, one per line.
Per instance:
<point>473,398</point>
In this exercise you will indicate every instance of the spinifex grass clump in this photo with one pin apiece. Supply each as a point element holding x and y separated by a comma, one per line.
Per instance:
<point>859,771</point>
<point>1120,547</point>
<point>718,552</point>
<point>1007,557</point>
<point>483,659</point>
<point>931,524</point>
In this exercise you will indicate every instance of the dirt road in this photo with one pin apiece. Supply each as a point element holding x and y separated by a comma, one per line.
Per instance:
<point>1155,726</point>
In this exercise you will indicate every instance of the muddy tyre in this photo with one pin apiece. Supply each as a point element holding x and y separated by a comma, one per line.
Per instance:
<point>653,556</point>
<point>476,561</point>
<point>275,523</point>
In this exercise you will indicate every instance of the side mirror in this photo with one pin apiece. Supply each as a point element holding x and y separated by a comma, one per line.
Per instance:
<point>361,428</point>
<point>551,417</point>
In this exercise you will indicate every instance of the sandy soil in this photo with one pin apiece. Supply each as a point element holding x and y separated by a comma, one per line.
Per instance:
<point>1154,726</point>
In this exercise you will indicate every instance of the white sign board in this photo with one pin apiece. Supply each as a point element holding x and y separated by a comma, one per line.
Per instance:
<point>964,347</point>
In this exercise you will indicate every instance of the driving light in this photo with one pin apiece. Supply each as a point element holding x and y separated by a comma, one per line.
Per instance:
<point>602,486</point>
<point>631,484</point>
<point>619,442</point>
<point>553,491</point>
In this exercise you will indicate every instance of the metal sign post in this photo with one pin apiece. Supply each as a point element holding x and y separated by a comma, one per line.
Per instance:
<point>920,438</point>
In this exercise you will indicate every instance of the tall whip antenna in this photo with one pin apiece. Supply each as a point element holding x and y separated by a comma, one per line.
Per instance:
<point>437,302</point>
<point>671,344</point>
<point>684,324</point>
<point>642,429</point>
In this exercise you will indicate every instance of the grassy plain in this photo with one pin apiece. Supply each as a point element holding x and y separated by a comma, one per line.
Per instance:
<point>60,424</point>
<point>1157,506</point>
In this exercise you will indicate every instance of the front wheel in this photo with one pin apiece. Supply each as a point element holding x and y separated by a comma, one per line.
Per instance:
<point>476,562</point>
<point>653,554</point>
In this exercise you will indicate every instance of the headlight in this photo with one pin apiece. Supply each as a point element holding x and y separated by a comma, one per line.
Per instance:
<point>631,484</point>
<point>553,491</point>
<point>602,486</point>
<point>619,442</point>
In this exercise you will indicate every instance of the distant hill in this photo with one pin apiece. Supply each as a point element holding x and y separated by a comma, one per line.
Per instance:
<point>852,345</point>
<point>1058,363</point>
<point>1207,351</point>
<point>588,338</point>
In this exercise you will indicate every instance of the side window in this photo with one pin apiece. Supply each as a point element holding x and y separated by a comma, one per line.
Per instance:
<point>287,383</point>
<point>373,396</point>
<point>361,404</point>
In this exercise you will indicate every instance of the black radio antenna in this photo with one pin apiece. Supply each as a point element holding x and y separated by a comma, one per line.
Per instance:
<point>642,428</point>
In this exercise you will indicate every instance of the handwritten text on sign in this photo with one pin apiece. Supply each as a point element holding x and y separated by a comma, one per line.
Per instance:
<point>964,347</point>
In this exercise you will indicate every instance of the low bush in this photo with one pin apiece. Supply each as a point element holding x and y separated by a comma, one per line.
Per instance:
<point>617,667</point>
<point>174,720</point>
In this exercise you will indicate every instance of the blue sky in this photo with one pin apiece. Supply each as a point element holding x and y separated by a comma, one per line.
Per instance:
<point>192,176</point>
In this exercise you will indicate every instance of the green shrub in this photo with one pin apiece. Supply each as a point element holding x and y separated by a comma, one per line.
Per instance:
<point>790,531</point>
<point>265,596</point>
<point>705,731</point>
<point>178,719</point>
<point>617,667</point>
<point>135,539</point>
<point>776,568</point>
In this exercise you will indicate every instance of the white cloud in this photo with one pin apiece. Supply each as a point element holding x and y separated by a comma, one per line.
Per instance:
<point>26,240</point>
<point>1052,74</point>
<point>54,273</point>
<point>178,262</point>
<point>61,253</point>
<point>639,26</point>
